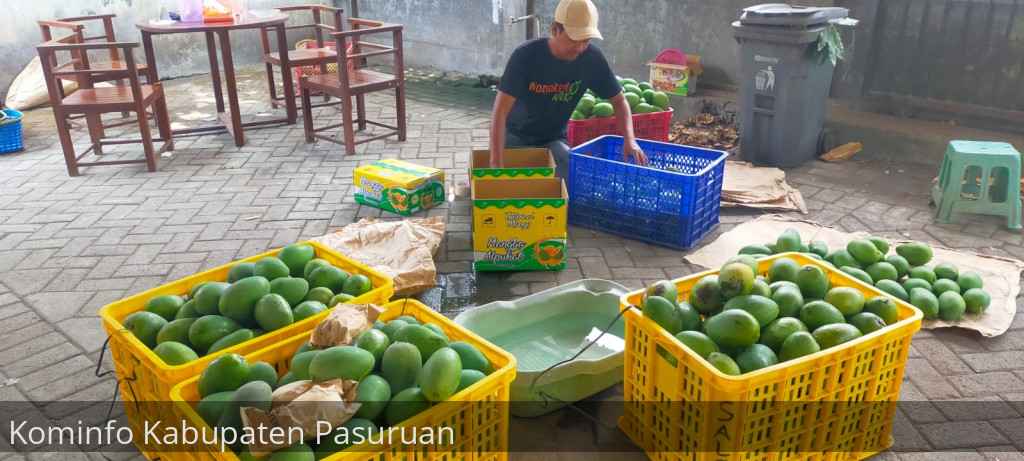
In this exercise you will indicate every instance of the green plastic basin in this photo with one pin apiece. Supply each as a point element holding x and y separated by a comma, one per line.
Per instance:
<point>546,328</point>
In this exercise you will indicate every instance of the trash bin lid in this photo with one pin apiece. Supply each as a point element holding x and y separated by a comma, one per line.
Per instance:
<point>782,14</point>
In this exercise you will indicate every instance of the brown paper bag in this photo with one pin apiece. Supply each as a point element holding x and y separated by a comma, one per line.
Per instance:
<point>343,325</point>
<point>300,410</point>
<point>755,187</point>
<point>403,250</point>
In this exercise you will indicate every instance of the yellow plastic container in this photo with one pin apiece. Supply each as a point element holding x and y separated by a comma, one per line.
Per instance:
<point>478,415</point>
<point>145,379</point>
<point>835,404</point>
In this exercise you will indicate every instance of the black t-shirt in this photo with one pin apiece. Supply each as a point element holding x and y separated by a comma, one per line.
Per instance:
<point>547,89</point>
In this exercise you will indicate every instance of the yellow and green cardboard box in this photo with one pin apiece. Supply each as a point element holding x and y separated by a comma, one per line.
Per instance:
<point>519,163</point>
<point>519,224</point>
<point>398,186</point>
<point>674,79</point>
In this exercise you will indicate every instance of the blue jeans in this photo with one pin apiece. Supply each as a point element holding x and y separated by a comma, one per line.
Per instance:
<point>559,150</point>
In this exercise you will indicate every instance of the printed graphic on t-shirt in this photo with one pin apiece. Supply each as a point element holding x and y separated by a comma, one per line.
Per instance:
<point>562,92</point>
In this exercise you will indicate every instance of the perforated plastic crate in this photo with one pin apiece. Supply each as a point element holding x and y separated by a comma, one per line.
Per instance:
<point>653,126</point>
<point>646,203</point>
<point>11,139</point>
<point>478,414</point>
<point>836,404</point>
<point>146,380</point>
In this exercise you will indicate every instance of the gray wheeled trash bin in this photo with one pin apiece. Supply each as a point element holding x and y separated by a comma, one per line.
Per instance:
<point>783,88</point>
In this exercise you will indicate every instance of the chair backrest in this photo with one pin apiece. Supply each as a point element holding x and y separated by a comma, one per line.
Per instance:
<point>73,35</point>
<point>78,24</point>
<point>318,25</point>
<point>359,28</point>
<point>77,66</point>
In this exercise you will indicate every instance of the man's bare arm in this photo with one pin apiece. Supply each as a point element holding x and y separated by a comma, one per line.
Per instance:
<point>502,106</point>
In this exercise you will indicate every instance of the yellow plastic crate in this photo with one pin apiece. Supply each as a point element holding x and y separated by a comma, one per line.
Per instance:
<point>835,404</point>
<point>146,381</point>
<point>478,415</point>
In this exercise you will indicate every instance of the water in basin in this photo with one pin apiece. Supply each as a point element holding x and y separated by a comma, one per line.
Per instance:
<point>537,346</point>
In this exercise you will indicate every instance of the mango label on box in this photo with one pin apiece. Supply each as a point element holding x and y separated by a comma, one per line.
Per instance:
<point>397,186</point>
<point>519,233</point>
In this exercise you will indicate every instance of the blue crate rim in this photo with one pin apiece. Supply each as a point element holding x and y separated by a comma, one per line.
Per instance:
<point>11,116</point>
<point>722,155</point>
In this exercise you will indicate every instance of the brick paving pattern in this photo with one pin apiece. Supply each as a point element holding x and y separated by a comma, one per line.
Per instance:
<point>69,246</point>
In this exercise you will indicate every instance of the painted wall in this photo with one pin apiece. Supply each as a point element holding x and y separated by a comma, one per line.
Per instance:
<point>177,55</point>
<point>466,36</point>
<point>475,36</point>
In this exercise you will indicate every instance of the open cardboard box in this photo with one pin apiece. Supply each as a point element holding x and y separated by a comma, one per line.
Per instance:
<point>519,163</point>
<point>519,224</point>
<point>674,79</point>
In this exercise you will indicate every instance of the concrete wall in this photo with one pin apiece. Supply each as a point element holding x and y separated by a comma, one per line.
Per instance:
<point>177,55</point>
<point>466,36</point>
<point>475,36</point>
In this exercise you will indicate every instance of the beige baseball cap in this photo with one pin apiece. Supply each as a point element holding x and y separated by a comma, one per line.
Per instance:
<point>579,18</point>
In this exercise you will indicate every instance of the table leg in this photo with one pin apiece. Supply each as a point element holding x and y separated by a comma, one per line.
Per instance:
<point>235,124</point>
<point>147,46</point>
<point>211,47</point>
<point>286,76</point>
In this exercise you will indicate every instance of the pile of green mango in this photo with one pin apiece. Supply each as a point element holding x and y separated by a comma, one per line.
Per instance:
<point>256,298</point>
<point>939,291</point>
<point>403,368</point>
<point>741,322</point>
<point>641,96</point>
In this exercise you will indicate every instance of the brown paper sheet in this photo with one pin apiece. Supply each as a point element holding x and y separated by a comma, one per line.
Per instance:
<point>1001,276</point>
<point>343,325</point>
<point>765,188</point>
<point>403,250</point>
<point>303,405</point>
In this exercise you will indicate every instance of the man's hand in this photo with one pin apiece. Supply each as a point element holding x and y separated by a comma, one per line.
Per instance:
<point>502,105</point>
<point>630,149</point>
<point>624,121</point>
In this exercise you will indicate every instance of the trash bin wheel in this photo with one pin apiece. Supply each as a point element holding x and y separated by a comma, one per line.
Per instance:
<point>826,140</point>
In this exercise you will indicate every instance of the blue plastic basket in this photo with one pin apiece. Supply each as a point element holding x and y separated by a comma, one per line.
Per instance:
<point>10,131</point>
<point>646,203</point>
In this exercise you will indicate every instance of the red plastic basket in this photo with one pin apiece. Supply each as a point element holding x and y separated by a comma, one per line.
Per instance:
<point>653,126</point>
<point>332,68</point>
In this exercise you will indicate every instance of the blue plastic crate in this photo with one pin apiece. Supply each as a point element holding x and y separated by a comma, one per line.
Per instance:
<point>10,131</point>
<point>646,203</point>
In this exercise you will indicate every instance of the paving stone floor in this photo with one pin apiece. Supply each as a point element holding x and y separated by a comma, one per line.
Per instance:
<point>69,246</point>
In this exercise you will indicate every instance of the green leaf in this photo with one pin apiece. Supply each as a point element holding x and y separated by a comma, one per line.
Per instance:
<point>830,45</point>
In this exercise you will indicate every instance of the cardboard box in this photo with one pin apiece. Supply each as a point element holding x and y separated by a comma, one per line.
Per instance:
<point>398,186</point>
<point>519,224</point>
<point>519,163</point>
<point>673,79</point>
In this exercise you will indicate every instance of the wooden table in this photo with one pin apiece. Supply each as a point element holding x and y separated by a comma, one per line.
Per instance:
<point>232,118</point>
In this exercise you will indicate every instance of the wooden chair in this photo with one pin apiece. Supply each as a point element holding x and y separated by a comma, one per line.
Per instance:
<point>358,82</point>
<point>321,56</point>
<point>93,102</point>
<point>76,26</point>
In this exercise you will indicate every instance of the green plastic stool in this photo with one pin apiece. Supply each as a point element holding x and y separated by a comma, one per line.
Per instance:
<point>977,163</point>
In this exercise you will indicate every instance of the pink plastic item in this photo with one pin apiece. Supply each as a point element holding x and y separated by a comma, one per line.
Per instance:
<point>190,10</point>
<point>671,56</point>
